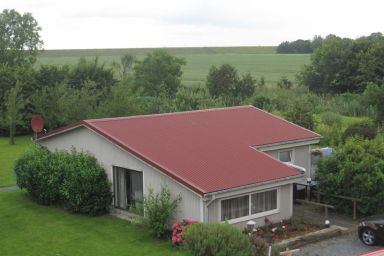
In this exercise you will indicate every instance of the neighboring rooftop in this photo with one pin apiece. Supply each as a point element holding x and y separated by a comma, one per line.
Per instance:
<point>206,150</point>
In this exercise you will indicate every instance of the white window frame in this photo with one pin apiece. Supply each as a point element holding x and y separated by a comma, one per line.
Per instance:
<point>256,215</point>
<point>292,153</point>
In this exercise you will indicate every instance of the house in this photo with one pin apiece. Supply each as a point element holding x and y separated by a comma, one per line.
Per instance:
<point>233,164</point>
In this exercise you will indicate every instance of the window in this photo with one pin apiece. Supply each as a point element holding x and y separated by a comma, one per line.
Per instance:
<point>264,201</point>
<point>128,187</point>
<point>235,207</point>
<point>286,156</point>
<point>248,205</point>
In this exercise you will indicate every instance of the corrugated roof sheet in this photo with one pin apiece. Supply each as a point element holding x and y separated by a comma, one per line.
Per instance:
<point>209,150</point>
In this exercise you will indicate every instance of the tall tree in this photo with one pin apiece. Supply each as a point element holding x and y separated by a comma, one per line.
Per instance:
<point>19,38</point>
<point>13,115</point>
<point>159,74</point>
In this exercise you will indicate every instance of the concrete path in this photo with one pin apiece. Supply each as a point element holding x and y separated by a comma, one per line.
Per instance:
<point>8,188</point>
<point>315,214</point>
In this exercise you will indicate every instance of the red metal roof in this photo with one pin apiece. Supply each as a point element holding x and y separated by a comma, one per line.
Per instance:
<point>206,150</point>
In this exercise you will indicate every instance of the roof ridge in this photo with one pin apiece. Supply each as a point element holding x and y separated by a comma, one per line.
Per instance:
<point>166,114</point>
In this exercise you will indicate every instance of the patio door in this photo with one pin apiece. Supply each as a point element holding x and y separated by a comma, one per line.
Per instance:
<point>127,187</point>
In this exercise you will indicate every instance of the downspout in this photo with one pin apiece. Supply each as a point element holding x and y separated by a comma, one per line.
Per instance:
<point>207,202</point>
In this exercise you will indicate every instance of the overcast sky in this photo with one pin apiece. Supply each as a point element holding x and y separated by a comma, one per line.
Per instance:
<point>68,24</point>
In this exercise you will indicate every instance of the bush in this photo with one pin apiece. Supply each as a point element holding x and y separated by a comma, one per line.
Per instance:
<point>159,208</point>
<point>216,239</point>
<point>72,179</point>
<point>361,131</point>
<point>263,102</point>
<point>301,113</point>
<point>178,231</point>
<point>356,170</point>
<point>284,83</point>
<point>39,172</point>
<point>86,188</point>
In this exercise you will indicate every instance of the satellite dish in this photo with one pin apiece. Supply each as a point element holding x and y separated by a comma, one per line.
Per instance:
<point>37,123</point>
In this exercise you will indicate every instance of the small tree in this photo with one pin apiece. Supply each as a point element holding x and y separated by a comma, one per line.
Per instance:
<point>374,96</point>
<point>159,208</point>
<point>159,74</point>
<point>13,115</point>
<point>301,113</point>
<point>124,68</point>
<point>284,83</point>
<point>224,82</point>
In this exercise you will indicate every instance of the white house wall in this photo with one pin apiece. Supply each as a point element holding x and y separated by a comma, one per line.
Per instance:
<point>301,156</point>
<point>109,155</point>
<point>285,206</point>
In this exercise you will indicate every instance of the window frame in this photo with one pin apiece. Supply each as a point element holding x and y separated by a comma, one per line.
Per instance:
<point>116,185</point>
<point>251,216</point>
<point>292,155</point>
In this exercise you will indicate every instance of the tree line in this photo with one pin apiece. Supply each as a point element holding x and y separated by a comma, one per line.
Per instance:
<point>300,45</point>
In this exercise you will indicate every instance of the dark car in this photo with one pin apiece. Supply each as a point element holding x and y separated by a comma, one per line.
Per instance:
<point>371,230</point>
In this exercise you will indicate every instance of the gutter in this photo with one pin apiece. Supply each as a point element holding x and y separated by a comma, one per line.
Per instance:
<point>214,193</point>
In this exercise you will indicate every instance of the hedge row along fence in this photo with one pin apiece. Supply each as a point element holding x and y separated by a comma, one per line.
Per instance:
<point>74,180</point>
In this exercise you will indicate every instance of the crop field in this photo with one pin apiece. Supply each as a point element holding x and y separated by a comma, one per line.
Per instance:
<point>259,61</point>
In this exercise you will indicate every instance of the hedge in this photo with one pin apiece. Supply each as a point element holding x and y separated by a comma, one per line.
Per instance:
<point>73,180</point>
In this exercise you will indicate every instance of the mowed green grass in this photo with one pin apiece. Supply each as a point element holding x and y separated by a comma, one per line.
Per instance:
<point>31,229</point>
<point>8,154</point>
<point>259,60</point>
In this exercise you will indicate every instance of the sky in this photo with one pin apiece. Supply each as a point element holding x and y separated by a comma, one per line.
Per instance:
<point>83,24</point>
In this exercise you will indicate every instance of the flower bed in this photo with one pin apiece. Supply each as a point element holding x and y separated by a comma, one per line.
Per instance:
<point>284,229</point>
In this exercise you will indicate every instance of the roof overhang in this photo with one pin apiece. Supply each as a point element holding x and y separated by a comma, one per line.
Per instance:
<point>287,144</point>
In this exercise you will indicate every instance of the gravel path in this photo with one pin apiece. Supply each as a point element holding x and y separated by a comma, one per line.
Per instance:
<point>347,245</point>
<point>8,188</point>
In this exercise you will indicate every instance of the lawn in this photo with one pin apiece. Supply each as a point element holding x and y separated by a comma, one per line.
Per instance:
<point>259,61</point>
<point>8,154</point>
<point>31,229</point>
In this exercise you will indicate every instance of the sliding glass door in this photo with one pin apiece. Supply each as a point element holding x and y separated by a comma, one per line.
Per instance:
<point>127,187</point>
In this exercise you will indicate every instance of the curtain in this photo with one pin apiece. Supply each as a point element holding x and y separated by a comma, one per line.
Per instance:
<point>264,201</point>
<point>235,208</point>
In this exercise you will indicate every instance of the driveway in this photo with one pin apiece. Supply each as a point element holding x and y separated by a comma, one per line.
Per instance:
<point>346,245</point>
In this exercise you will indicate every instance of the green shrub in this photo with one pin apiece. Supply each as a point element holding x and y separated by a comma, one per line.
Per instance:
<point>263,102</point>
<point>72,179</point>
<point>356,170</point>
<point>284,83</point>
<point>159,208</point>
<point>363,132</point>
<point>86,188</point>
<point>216,239</point>
<point>301,113</point>
<point>40,173</point>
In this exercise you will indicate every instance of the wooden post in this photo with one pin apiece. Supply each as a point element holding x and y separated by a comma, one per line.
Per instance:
<point>326,212</point>
<point>354,209</point>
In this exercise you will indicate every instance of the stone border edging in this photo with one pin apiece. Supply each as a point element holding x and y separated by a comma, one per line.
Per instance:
<point>312,237</point>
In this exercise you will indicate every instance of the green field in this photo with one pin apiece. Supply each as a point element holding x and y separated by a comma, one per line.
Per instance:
<point>259,61</point>
<point>8,154</point>
<point>31,229</point>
